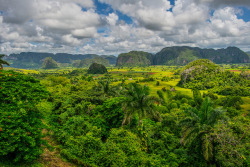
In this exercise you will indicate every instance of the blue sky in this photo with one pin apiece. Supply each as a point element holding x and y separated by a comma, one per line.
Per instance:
<point>117,26</point>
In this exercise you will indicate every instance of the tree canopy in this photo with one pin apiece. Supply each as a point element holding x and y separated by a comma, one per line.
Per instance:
<point>3,61</point>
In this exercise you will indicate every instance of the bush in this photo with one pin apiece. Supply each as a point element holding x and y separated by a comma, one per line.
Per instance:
<point>164,89</point>
<point>147,79</point>
<point>129,144</point>
<point>20,121</point>
<point>83,150</point>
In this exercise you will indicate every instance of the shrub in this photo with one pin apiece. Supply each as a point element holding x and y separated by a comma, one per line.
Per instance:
<point>83,149</point>
<point>164,89</point>
<point>147,79</point>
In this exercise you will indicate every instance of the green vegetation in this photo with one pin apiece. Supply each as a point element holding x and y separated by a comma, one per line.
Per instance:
<point>97,69</point>
<point>128,116</point>
<point>204,74</point>
<point>3,61</point>
<point>138,102</point>
<point>20,121</point>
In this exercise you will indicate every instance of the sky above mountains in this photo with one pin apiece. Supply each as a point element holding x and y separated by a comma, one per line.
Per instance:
<point>117,26</point>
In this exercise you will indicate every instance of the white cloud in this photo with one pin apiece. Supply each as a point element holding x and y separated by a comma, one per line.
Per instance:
<point>112,19</point>
<point>70,39</point>
<point>223,3</point>
<point>54,22</point>
<point>148,13</point>
<point>64,25</point>
<point>83,3</point>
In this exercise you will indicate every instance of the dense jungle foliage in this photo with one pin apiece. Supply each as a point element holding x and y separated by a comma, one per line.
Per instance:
<point>20,121</point>
<point>126,117</point>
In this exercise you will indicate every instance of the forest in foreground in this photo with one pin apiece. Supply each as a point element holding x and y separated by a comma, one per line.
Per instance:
<point>196,115</point>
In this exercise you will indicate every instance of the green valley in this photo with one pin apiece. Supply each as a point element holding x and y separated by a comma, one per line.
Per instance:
<point>128,116</point>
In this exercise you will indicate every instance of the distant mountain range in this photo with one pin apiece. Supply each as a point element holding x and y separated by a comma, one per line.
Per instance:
<point>35,59</point>
<point>181,55</point>
<point>177,55</point>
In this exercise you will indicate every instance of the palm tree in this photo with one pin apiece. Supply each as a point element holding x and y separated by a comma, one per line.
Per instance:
<point>107,90</point>
<point>2,61</point>
<point>199,125</point>
<point>104,86</point>
<point>138,102</point>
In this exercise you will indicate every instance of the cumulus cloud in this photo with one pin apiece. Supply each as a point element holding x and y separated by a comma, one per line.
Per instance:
<point>221,3</point>
<point>148,13</point>
<point>189,22</point>
<point>76,25</point>
<point>51,21</point>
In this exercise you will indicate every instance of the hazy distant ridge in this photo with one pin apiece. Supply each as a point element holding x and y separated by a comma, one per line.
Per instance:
<point>35,59</point>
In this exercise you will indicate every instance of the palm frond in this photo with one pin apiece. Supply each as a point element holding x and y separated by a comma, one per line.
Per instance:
<point>189,134</point>
<point>215,115</point>
<point>207,147</point>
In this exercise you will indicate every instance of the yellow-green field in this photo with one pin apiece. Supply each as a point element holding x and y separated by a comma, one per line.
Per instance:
<point>136,74</point>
